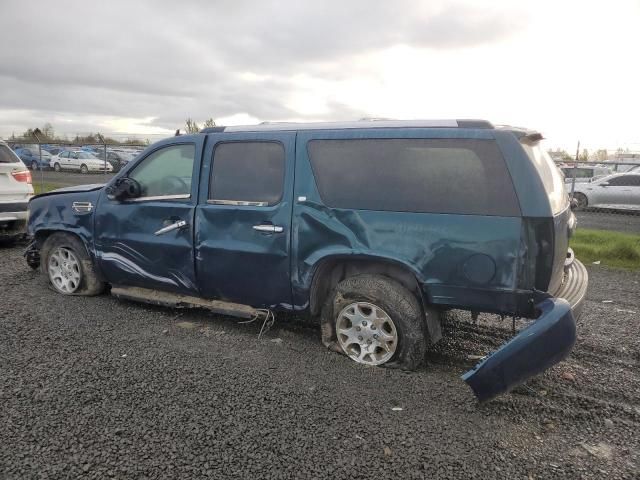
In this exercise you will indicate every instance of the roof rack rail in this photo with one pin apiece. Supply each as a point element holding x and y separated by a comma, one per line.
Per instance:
<point>362,123</point>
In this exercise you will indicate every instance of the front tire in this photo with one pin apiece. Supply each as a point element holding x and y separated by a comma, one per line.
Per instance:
<point>374,320</point>
<point>34,165</point>
<point>84,169</point>
<point>68,266</point>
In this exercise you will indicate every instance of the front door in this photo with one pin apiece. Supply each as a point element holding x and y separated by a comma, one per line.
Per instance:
<point>148,241</point>
<point>243,218</point>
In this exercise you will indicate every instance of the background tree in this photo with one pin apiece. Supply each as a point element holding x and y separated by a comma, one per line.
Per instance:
<point>210,122</point>
<point>191,126</point>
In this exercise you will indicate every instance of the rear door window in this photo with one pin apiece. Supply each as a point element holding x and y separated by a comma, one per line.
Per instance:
<point>458,176</point>
<point>249,173</point>
<point>625,181</point>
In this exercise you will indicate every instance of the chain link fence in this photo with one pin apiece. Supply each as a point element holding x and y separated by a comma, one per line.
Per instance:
<point>606,195</point>
<point>62,164</point>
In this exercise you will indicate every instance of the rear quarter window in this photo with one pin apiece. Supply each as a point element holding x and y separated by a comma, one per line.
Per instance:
<point>456,176</point>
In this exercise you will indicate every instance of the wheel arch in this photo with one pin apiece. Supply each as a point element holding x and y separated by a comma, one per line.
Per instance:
<point>331,270</point>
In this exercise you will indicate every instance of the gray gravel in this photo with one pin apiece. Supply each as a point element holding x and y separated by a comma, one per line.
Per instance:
<point>615,221</point>
<point>95,388</point>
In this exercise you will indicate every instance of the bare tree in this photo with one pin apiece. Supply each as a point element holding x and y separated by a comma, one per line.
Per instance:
<point>210,122</point>
<point>191,126</point>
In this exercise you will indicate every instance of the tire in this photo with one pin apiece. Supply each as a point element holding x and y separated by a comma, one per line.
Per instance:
<point>84,169</point>
<point>582,200</point>
<point>34,165</point>
<point>88,282</point>
<point>377,296</point>
<point>56,167</point>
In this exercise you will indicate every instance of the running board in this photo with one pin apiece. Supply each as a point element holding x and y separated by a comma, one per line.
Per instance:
<point>175,300</point>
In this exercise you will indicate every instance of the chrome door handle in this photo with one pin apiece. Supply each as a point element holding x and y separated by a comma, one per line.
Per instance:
<point>172,227</point>
<point>268,228</point>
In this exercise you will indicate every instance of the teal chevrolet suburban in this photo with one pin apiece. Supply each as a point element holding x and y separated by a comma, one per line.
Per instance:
<point>375,227</point>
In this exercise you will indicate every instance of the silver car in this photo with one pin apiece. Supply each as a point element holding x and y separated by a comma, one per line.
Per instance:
<point>620,191</point>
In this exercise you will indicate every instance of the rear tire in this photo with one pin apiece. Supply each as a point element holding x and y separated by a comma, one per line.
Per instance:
<point>396,311</point>
<point>582,201</point>
<point>56,167</point>
<point>34,165</point>
<point>84,169</point>
<point>68,267</point>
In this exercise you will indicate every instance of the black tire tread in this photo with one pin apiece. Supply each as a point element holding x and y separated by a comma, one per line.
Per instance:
<point>91,284</point>
<point>403,307</point>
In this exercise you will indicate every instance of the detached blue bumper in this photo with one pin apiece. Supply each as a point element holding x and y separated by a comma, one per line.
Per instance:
<point>541,345</point>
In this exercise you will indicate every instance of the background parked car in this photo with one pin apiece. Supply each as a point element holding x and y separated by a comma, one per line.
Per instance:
<point>15,191</point>
<point>30,156</point>
<point>79,160</point>
<point>584,173</point>
<point>57,150</point>
<point>117,159</point>
<point>620,191</point>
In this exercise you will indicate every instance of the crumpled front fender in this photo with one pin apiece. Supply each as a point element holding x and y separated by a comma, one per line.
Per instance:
<point>541,345</point>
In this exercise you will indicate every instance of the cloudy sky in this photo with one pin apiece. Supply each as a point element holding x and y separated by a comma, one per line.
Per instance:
<point>567,68</point>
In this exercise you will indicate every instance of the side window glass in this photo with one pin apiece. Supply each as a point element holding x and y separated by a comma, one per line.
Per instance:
<point>166,172</point>
<point>247,173</point>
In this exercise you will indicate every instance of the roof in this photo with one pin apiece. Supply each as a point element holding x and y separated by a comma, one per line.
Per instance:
<point>364,123</point>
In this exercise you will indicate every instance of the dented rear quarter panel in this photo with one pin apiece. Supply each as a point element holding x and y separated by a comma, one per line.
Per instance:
<point>442,250</point>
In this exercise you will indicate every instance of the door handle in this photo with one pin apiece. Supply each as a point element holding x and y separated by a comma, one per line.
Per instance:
<point>266,228</point>
<point>172,227</point>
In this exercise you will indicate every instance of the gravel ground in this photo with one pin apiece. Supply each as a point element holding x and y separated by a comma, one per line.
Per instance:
<point>628,222</point>
<point>95,388</point>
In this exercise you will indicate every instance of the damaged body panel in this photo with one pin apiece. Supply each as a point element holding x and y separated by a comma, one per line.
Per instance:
<point>389,223</point>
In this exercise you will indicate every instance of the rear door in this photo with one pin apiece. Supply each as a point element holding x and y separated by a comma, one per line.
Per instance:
<point>243,218</point>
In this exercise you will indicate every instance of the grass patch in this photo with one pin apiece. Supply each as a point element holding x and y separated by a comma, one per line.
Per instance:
<point>613,249</point>
<point>39,187</point>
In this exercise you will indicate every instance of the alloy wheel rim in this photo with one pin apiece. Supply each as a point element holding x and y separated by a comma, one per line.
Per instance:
<point>366,333</point>
<point>64,270</point>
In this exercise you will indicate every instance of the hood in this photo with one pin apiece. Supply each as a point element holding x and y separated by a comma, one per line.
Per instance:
<point>73,189</point>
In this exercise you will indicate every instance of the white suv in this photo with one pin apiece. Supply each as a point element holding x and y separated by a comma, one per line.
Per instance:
<point>15,192</point>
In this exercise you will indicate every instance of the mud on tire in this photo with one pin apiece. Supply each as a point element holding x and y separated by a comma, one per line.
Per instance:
<point>90,283</point>
<point>400,304</point>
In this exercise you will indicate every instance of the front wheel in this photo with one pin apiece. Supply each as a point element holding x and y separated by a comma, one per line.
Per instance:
<point>34,165</point>
<point>374,320</point>
<point>56,167</point>
<point>84,168</point>
<point>68,266</point>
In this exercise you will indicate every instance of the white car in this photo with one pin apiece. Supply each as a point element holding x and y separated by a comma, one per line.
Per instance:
<point>79,160</point>
<point>15,192</point>
<point>620,191</point>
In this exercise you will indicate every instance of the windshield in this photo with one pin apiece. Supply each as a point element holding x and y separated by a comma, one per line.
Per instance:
<point>549,174</point>
<point>570,172</point>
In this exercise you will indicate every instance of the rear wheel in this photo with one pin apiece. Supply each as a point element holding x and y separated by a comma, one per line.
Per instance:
<point>375,321</point>
<point>68,266</point>
<point>581,200</point>
<point>34,165</point>
<point>56,167</point>
<point>84,168</point>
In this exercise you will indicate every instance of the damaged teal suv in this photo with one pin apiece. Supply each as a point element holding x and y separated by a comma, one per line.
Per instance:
<point>375,227</point>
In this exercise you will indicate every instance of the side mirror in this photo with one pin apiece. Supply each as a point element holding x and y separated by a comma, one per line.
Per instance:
<point>123,188</point>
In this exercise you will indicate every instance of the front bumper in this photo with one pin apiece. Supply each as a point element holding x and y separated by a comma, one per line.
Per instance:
<point>547,341</point>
